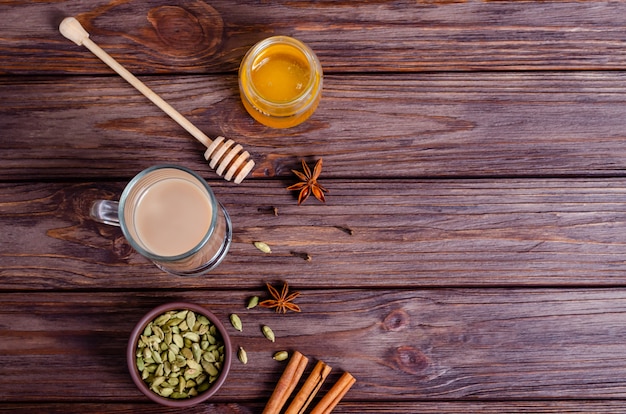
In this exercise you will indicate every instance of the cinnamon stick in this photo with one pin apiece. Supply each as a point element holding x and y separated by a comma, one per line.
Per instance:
<point>309,389</point>
<point>335,394</point>
<point>287,383</point>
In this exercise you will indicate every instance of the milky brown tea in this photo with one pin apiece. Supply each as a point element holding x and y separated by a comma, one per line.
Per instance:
<point>170,215</point>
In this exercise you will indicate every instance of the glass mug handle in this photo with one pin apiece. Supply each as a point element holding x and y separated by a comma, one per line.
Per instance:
<point>105,211</point>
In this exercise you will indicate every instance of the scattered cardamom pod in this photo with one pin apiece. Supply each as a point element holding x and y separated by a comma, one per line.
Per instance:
<point>262,246</point>
<point>281,355</point>
<point>242,355</point>
<point>236,322</point>
<point>269,334</point>
<point>252,302</point>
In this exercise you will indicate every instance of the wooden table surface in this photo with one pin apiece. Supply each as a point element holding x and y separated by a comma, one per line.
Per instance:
<point>471,256</point>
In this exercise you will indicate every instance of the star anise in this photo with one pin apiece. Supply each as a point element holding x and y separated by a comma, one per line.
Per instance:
<point>309,184</point>
<point>281,302</point>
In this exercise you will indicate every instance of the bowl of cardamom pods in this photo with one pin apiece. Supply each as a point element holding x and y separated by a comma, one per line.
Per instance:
<point>179,354</point>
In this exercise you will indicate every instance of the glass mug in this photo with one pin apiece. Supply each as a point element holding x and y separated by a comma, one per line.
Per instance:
<point>170,215</point>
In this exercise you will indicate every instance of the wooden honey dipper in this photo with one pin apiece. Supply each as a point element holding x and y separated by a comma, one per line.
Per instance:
<point>227,156</point>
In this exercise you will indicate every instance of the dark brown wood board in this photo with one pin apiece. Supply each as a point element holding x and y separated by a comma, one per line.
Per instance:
<point>502,344</point>
<point>515,232</point>
<point>470,257</point>
<point>195,36</point>
<point>410,126</point>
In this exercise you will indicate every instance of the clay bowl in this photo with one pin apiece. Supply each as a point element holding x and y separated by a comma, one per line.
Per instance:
<point>215,381</point>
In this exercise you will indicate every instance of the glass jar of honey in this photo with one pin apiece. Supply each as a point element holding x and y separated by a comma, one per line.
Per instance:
<point>280,82</point>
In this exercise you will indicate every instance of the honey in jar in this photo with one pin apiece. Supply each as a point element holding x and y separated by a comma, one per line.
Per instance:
<point>280,82</point>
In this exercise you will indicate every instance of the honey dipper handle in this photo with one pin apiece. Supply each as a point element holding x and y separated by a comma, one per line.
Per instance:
<point>73,30</point>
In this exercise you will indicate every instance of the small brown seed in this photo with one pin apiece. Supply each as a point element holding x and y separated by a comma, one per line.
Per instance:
<point>303,255</point>
<point>345,229</point>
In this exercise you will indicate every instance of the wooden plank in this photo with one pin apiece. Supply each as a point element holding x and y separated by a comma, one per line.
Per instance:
<point>193,36</point>
<point>490,407</point>
<point>558,232</point>
<point>430,125</point>
<point>389,407</point>
<point>424,345</point>
<point>133,408</point>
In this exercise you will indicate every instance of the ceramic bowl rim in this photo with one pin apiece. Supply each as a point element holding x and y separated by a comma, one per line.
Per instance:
<point>132,346</point>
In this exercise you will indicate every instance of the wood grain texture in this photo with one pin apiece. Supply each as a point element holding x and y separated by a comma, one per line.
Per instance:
<point>469,259</point>
<point>194,36</point>
<point>412,126</point>
<point>407,234</point>
<point>346,407</point>
<point>502,344</point>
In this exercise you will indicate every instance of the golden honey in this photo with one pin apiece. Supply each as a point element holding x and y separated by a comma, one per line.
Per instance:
<point>280,82</point>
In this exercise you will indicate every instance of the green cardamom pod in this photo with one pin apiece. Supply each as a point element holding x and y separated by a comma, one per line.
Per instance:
<point>242,355</point>
<point>269,334</point>
<point>236,322</point>
<point>166,392</point>
<point>192,336</point>
<point>252,302</point>
<point>191,320</point>
<point>262,246</point>
<point>162,319</point>
<point>281,355</point>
